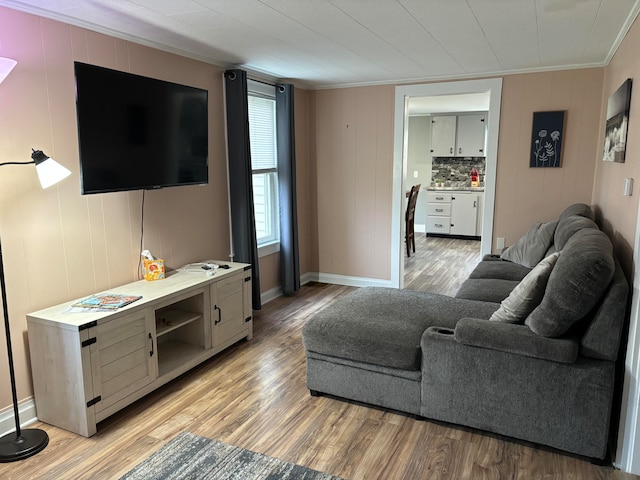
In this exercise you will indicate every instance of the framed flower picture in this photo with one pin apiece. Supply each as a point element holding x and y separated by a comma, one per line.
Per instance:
<point>546,139</point>
<point>615,134</point>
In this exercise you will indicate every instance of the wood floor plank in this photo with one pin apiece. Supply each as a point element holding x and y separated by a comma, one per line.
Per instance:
<point>254,395</point>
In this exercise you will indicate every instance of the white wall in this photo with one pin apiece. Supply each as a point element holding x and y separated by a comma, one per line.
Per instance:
<point>419,160</point>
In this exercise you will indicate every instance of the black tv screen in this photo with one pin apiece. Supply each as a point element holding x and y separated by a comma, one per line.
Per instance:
<point>136,132</point>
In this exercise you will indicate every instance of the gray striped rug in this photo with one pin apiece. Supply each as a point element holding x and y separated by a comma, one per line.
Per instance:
<point>190,456</point>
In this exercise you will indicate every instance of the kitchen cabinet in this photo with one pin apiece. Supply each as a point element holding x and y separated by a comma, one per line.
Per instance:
<point>438,213</point>
<point>454,213</point>
<point>464,214</point>
<point>471,135</point>
<point>458,135</point>
<point>443,135</point>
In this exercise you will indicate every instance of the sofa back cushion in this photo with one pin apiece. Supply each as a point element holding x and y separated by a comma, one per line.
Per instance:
<point>578,281</point>
<point>527,294</point>
<point>569,225</point>
<point>602,332</point>
<point>532,246</point>
<point>579,209</point>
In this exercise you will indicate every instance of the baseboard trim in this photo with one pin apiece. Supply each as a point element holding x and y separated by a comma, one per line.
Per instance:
<point>27,412</point>
<point>271,294</point>
<point>308,277</point>
<point>275,292</point>
<point>348,280</point>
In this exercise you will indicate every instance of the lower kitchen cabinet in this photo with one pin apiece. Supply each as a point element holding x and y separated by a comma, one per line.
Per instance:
<point>454,213</point>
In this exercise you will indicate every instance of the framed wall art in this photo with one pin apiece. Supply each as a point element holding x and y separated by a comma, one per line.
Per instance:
<point>615,134</point>
<point>546,139</point>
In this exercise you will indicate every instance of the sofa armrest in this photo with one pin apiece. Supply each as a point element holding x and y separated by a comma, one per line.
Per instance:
<point>515,339</point>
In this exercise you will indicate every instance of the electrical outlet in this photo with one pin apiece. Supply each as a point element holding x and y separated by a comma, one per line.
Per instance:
<point>415,174</point>
<point>500,243</point>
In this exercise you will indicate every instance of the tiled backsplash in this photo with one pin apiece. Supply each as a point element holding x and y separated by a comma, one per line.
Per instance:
<point>454,171</point>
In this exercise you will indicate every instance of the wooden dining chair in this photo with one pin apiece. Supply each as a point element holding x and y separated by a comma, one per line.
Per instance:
<point>409,236</point>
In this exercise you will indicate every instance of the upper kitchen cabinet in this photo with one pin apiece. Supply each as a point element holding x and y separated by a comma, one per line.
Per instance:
<point>458,135</point>
<point>443,136</point>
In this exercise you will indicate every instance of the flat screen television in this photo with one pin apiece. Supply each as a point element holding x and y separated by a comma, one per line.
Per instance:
<point>136,132</point>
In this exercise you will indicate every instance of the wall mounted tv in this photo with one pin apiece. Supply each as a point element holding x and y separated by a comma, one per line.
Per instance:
<point>136,132</point>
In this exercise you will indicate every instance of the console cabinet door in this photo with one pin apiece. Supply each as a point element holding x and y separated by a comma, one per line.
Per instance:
<point>123,357</point>
<point>227,298</point>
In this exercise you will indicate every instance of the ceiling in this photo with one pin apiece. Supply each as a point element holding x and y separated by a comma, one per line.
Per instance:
<point>329,43</point>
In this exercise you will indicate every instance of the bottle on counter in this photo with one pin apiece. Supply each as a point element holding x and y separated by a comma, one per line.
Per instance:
<point>475,177</point>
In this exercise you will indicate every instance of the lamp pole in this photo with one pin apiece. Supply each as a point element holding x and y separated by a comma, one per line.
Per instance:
<point>22,443</point>
<point>25,443</point>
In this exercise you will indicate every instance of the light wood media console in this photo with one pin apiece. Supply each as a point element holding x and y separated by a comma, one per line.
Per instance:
<point>87,366</point>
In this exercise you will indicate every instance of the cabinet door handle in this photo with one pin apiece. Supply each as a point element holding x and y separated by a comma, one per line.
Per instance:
<point>459,149</point>
<point>151,340</point>
<point>439,210</point>
<point>219,315</point>
<point>474,203</point>
<point>451,150</point>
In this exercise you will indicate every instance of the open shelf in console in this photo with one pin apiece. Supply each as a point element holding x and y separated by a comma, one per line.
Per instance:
<point>180,333</point>
<point>172,318</point>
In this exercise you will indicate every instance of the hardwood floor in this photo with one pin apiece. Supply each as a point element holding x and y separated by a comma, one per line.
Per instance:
<point>440,264</point>
<point>253,395</point>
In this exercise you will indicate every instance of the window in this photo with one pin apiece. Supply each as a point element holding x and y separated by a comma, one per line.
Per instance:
<point>262,135</point>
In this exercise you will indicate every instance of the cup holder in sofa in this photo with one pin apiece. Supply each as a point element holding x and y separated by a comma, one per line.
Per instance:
<point>441,330</point>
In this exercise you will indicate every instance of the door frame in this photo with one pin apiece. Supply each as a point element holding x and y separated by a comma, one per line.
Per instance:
<point>400,133</point>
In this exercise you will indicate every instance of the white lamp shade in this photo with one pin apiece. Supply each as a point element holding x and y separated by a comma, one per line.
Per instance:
<point>51,172</point>
<point>6,65</point>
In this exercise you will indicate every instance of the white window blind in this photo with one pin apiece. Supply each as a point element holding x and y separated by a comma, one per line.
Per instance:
<point>262,133</point>
<point>262,136</point>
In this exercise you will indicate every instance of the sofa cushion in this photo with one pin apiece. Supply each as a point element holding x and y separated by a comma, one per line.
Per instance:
<point>527,294</point>
<point>580,209</point>
<point>567,226</point>
<point>499,269</point>
<point>517,339</point>
<point>602,333</point>
<point>532,246</point>
<point>383,326</point>
<point>577,282</point>
<point>486,289</point>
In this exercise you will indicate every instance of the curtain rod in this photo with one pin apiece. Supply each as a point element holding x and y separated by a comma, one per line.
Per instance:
<point>279,86</point>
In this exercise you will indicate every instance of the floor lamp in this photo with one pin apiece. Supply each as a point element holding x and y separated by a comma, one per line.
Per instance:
<point>23,443</point>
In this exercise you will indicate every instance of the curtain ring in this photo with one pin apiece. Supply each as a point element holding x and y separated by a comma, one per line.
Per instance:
<point>281,88</point>
<point>231,75</point>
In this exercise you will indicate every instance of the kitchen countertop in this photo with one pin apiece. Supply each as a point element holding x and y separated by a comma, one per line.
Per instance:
<point>455,189</point>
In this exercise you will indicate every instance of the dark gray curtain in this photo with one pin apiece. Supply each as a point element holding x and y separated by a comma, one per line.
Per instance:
<point>243,226</point>
<point>289,256</point>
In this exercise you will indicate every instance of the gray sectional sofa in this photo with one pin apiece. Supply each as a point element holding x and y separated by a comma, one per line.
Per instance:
<point>527,347</point>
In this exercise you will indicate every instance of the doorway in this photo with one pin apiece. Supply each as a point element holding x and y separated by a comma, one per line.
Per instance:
<point>438,91</point>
